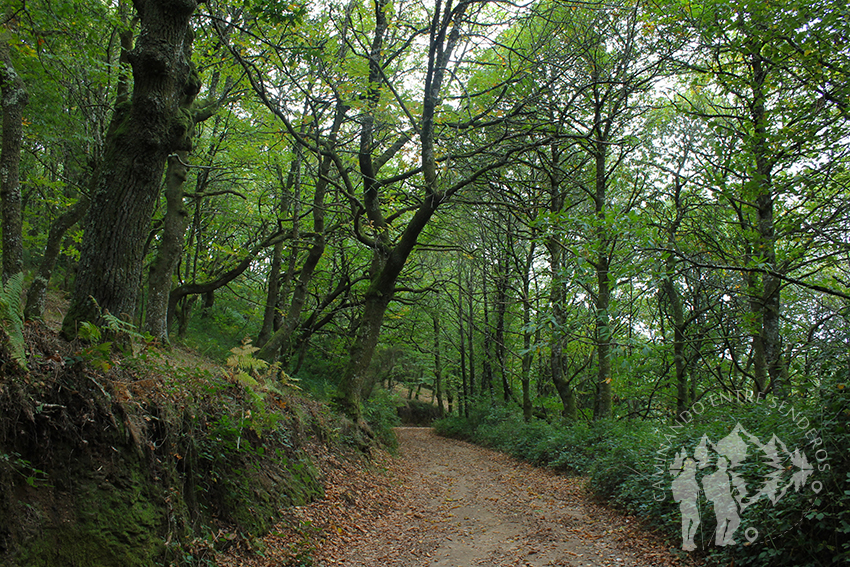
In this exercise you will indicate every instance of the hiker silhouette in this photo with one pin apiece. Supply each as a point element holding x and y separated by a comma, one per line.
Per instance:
<point>718,490</point>
<point>686,493</point>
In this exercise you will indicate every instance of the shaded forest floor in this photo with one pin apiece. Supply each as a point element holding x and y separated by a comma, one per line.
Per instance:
<point>445,503</point>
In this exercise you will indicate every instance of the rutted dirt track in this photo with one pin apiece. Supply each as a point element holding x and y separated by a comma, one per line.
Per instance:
<point>447,503</point>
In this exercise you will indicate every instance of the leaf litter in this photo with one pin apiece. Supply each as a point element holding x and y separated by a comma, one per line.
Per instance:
<point>444,502</point>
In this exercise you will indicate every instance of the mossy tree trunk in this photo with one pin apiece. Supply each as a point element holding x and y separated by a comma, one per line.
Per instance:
<point>143,133</point>
<point>170,248</point>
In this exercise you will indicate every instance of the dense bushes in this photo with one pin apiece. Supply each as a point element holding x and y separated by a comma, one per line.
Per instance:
<point>628,463</point>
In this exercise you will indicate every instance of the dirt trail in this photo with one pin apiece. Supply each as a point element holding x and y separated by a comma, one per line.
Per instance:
<point>447,503</point>
<point>472,506</point>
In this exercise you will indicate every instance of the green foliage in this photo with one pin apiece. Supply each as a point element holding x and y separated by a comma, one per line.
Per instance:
<point>124,336</point>
<point>259,378</point>
<point>381,413</point>
<point>33,476</point>
<point>257,373</point>
<point>12,318</point>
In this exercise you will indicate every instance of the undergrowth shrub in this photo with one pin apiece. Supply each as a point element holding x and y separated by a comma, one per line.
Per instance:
<point>381,413</point>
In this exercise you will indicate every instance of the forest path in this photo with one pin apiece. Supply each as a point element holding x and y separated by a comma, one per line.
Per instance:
<point>447,503</point>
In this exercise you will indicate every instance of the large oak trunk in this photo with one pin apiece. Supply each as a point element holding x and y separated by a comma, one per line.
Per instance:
<point>142,135</point>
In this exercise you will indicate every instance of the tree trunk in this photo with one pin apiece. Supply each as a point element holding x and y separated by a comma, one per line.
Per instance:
<point>387,262</point>
<point>463,393</point>
<point>272,296</point>
<point>470,339</point>
<point>141,137</point>
<point>170,248</point>
<point>527,355</point>
<point>438,363</point>
<point>37,293</point>
<point>556,361</point>
<point>14,99</point>
<point>207,289</point>
<point>604,401</point>
<point>282,338</point>
<point>271,319</point>
<point>501,309</point>
<point>349,393</point>
<point>678,317</point>
<point>487,362</point>
<point>766,243</point>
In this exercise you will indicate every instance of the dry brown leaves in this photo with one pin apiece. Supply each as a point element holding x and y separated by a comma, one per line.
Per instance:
<point>447,503</point>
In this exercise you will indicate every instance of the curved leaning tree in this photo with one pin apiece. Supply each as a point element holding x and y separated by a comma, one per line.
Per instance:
<point>418,129</point>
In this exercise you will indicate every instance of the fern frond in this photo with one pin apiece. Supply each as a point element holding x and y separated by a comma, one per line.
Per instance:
<point>12,318</point>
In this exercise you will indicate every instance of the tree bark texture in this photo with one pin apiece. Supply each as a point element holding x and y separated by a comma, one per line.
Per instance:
<point>14,99</point>
<point>142,135</point>
<point>604,394</point>
<point>170,248</point>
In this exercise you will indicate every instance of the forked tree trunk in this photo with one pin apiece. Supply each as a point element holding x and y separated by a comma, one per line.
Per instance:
<point>282,339</point>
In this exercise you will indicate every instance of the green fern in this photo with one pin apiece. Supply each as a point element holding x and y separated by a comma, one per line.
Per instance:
<point>12,318</point>
<point>256,372</point>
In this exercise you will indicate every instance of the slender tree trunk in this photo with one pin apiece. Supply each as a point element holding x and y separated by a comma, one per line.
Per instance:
<point>527,360</point>
<point>604,399</point>
<point>14,99</point>
<point>487,346</point>
<point>556,364</point>
<point>438,363</point>
<point>501,309</point>
<point>527,355</point>
<point>140,139</point>
<point>37,293</point>
<point>170,248</point>
<point>273,295</point>
<point>464,391</point>
<point>470,337</point>
<point>179,294</point>
<point>282,338</point>
<point>766,243</point>
<point>678,317</point>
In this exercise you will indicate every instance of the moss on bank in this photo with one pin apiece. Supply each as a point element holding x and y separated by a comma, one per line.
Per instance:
<point>145,463</point>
